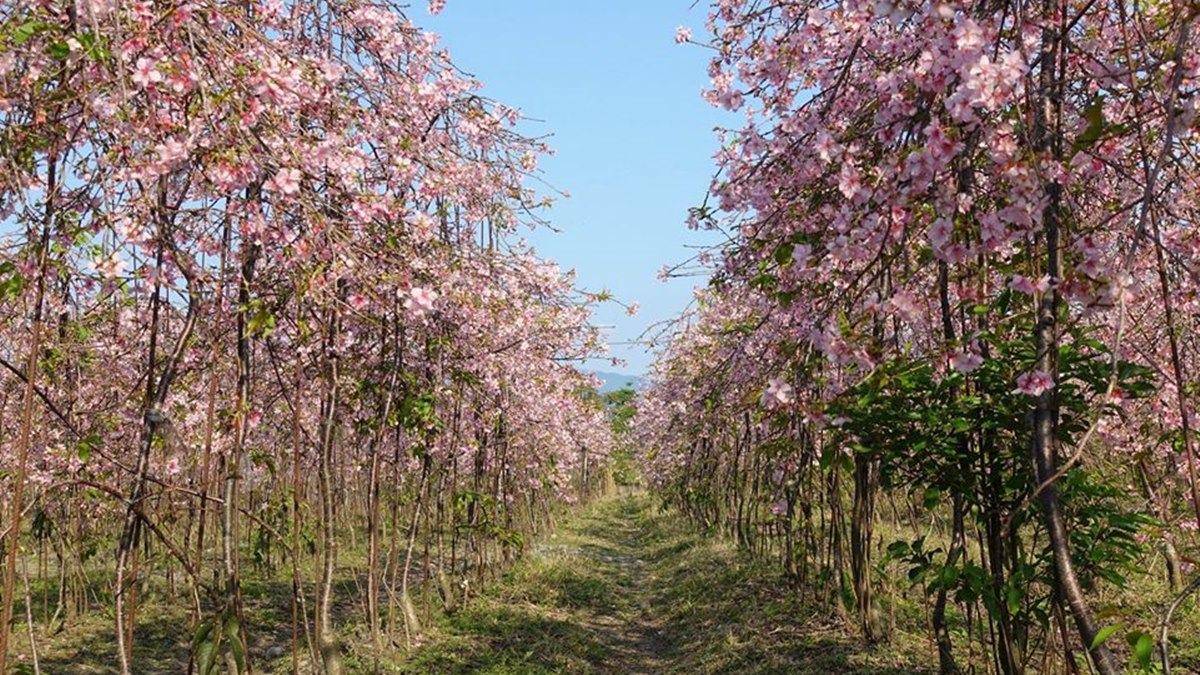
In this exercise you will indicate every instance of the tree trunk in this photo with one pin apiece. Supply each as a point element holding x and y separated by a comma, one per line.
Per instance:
<point>1048,141</point>
<point>866,480</point>
<point>31,371</point>
<point>327,641</point>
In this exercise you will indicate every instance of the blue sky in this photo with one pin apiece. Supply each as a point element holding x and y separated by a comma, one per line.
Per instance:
<point>634,140</point>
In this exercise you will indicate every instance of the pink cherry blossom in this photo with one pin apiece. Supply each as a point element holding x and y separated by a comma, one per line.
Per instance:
<point>1033,383</point>
<point>778,393</point>
<point>285,181</point>
<point>940,233</point>
<point>966,361</point>
<point>146,73</point>
<point>420,301</point>
<point>1023,284</point>
<point>801,254</point>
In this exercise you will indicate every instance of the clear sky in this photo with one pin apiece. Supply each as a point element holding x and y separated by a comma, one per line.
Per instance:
<point>634,139</point>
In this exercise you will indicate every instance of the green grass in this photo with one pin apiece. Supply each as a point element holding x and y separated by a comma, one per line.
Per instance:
<point>624,589</point>
<point>619,588</point>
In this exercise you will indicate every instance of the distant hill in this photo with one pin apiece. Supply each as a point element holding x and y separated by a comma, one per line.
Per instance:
<point>615,381</point>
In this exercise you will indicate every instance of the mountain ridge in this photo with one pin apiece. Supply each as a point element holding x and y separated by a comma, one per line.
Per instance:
<point>611,381</point>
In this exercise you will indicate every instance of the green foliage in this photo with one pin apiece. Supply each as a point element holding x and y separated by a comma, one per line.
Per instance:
<point>11,281</point>
<point>216,635</point>
<point>86,446</point>
<point>418,412</point>
<point>939,433</point>
<point>621,408</point>
<point>25,32</point>
<point>260,321</point>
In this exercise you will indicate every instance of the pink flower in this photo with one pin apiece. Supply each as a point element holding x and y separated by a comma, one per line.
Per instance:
<point>778,393</point>
<point>906,305</point>
<point>849,182</point>
<point>146,73</point>
<point>357,301</point>
<point>1028,286</point>
<point>800,255</point>
<point>940,233</point>
<point>826,147</point>
<point>1091,268</point>
<point>682,35</point>
<point>285,181</point>
<point>1034,383</point>
<point>632,309</point>
<point>111,267</point>
<point>436,6</point>
<point>420,301</point>
<point>172,466</point>
<point>965,361</point>
<point>171,152</point>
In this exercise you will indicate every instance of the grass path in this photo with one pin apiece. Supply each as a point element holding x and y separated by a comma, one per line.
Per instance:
<point>625,589</point>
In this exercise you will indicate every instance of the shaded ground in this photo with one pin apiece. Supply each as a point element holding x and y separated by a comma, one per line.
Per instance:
<point>621,588</point>
<point>624,589</point>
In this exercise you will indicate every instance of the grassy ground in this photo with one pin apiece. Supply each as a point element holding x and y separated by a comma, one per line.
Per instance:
<point>620,588</point>
<point>624,589</point>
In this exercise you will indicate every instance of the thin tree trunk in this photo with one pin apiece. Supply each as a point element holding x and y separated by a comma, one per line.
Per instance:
<point>1048,140</point>
<point>22,450</point>
<point>229,562</point>
<point>866,479</point>
<point>327,641</point>
<point>373,506</point>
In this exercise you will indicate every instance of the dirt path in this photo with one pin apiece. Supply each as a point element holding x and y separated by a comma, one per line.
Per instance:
<point>632,628</point>
<point>588,600</point>
<point>625,589</point>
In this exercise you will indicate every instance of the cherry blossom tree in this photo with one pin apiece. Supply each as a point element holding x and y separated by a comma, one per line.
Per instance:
<point>264,256</point>
<point>976,202</point>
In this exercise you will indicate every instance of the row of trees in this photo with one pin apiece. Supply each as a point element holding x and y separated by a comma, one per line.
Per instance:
<point>262,299</point>
<point>957,303</point>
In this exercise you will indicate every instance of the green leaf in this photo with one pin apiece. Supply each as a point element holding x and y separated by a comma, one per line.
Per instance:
<point>898,549</point>
<point>1143,648</point>
<point>950,576</point>
<point>60,50</point>
<point>86,446</point>
<point>932,497</point>
<point>1103,634</point>
<point>232,634</point>
<point>261,323</point>
<point>11,281</point>
<point>25,32</point>
<point>1014,595</point>
<point>1094,114</point>
<point>783,254</point>
<point>202,632</point>
<point>94,47</point>
<point>206,658</point>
